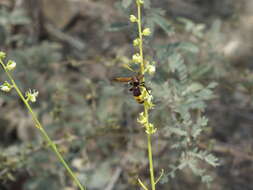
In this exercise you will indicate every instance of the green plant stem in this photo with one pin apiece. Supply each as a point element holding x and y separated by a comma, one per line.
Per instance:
<point>43,132</point>
<point>142,67</point>
<point>141,40</point>
<point>150,158</point>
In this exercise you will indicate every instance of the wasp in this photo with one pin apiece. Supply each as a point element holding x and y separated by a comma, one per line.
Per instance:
<point>136,85</point>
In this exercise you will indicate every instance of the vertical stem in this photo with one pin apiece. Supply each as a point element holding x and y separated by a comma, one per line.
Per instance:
<point>150,158</point>
<point>142,67</point>
<point>141,39</point>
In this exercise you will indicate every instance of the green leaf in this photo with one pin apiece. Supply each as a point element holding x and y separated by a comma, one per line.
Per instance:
<point>194,87</point>
<point>164,179</point>
<point>206,94</point>
<point>206,179</point>
<point>212,160</point>
<point>100,177</point>
<point>147,4</point>
<point>175,62</point>
<point>189,25</point>
<point>201,70</point>
<point>202,121</point>
<point>212,85</point>
<point>188,46</point>
<point>196,131</point>
<point>163,23</point>
<point>3,34</point>
<point>182,165</point>
<point>178,131</point>
<point>117,26</point>
<point>126,3</point>
<point>18,18</point>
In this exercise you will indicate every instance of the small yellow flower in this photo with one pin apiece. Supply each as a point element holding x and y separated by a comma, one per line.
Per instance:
<point>146,32</point>
<point>6,87</point>
<point>150,129</point>
<point>148,99</point>
<point>136,42</point>
<point>133,18</point>
<point>11,65</point>
<point>32,95</point>
<point>137,58</point>
<point>2,55</point>
<point>151,69</point>
<point>142,119</point>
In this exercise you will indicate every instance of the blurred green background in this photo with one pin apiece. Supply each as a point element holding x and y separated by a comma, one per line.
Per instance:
<point>70,49</point>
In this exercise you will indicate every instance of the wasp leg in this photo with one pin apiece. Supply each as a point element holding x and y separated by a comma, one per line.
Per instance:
<point>147,89</point>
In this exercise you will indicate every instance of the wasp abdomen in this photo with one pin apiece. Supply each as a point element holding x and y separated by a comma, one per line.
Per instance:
<point>137,95</point>
<point>139,99</point>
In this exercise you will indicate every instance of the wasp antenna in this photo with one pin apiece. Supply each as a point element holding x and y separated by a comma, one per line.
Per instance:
<point>127,66</point>
<point>147,88</point>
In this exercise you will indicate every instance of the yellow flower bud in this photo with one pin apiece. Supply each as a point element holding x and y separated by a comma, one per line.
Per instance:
<point>11,65</point>
<point>137,58</point>
<point>136,42</point>
<point>151,69</point>
<point>6,87</point>
<point>146,32</point>
<point>133,18</point>
<point>150,129</point>
<point>142,119</point>
<point>32,95</point>
<point>2,55</point>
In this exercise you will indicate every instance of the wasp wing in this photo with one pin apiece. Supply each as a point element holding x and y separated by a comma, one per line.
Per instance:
<point>122,79</point>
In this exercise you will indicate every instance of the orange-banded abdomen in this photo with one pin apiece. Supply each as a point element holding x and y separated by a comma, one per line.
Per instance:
<point>139,99</point>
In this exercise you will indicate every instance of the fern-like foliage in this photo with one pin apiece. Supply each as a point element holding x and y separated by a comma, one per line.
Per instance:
<point>184,97</point>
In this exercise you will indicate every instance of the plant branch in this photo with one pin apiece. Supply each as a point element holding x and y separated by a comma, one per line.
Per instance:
<point>146,115</point>
<point>41,129</point>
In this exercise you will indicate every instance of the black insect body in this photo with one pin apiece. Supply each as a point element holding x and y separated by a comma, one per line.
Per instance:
<point>136,85</point>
